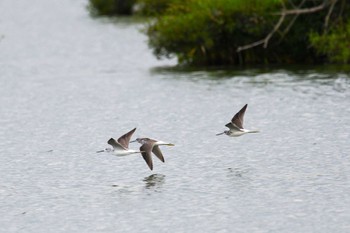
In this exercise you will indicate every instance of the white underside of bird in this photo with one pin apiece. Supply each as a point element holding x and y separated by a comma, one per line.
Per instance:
<point>158,143</point>
<point>125,152</point>
<point>120,152</point>
<point>237,133</point>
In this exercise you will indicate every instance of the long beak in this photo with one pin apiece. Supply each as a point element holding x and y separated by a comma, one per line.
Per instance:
<point>219,133</point>
<point>132,141</point>
<point>100,151</point>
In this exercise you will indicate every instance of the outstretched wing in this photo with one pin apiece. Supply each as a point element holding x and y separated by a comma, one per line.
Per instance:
<point>146,150</point>
<point>125,139</point>
<point>115,144</point>
<point>158,153</point>
<point>237,120</point>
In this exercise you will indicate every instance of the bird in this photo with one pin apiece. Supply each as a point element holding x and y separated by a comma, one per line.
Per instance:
<point>236,125</point>
<point>121,146</point>
<point>151,145</point>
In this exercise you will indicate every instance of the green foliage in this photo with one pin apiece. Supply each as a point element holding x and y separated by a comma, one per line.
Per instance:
<point>335,44</point>
<point>209,32</point>
<point>206,32</point>
<point>153,7</point>
<point>111,7</point>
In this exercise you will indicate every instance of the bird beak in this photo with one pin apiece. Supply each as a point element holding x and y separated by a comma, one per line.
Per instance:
<point>100,151</point>
<point>132,141</point>
<point>219,133</point>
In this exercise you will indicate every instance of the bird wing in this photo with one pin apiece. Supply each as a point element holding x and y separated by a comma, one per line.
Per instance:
<point>233,126</point>
<point>146,150</point>
<point>125,139</point>
<point>237,119</point>
<point>115,144</point>
<point>158,153</point>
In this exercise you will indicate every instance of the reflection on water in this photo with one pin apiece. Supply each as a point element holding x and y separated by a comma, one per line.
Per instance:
<point>124,190</point>
<point>321,70</point>
<point>238,177</point>
<point>341,84</point>
<point>236,172</point>
<point>154,181</point>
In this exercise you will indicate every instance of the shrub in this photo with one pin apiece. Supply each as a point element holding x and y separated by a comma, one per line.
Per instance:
<point>206,32</point>
<point>111,7</point>
<point>153,7</point>
<point>335,44</point>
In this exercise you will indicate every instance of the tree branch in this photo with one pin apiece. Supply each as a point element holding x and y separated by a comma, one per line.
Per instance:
<point>266,40</point>
<point>305,11</point>
<point>283,14</point>
<point>326,21</point>
<point>286,30</point>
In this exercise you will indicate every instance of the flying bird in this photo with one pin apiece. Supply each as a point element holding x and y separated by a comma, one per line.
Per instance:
<point>236,125</point>
<point>151,145</point>
<point>121,146</point>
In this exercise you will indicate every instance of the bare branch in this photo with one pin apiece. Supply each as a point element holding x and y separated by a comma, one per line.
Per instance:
<point>283,14</point>
<point>304,11</point>
<point>266,40</point>
<point>277,26</point>
<point>241,48</point>
<point>326,21</point>
<point>286,30</point>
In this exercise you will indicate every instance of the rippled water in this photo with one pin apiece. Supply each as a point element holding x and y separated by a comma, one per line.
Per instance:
<point>70,82</point>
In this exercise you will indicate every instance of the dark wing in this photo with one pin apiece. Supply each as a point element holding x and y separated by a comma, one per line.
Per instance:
<point>237,119</point>
<point>115,144</point>
<point>125,139</point>
<point>146,150</point>
<point>158,153</point>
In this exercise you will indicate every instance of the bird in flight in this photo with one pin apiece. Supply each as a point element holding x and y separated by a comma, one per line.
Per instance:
<point>236,125</point>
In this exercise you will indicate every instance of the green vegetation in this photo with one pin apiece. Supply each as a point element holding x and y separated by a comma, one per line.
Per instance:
<point>235,32</point>
<point>335,45</point>
<point>232,32</point>
<point>154,7</point>
<point>111,7</point>
<point>206,32</point>
<point>125,7</point>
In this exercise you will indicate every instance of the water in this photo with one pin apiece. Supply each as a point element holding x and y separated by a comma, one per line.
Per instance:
<point>69,83</point>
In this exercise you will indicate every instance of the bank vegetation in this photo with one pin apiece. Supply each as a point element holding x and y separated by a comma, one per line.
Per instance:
<point>236,32</point>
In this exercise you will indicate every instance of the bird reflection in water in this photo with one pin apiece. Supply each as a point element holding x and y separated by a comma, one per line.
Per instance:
<point>154,181</point>
<point>239,177</point>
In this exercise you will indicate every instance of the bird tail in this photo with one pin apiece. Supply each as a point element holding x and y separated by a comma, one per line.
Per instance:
<point>254,131</point>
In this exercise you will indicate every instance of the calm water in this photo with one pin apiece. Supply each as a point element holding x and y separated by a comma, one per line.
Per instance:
<point>68,83</point>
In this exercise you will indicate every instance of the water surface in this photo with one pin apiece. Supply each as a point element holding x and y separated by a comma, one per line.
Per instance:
<point>70,82</point>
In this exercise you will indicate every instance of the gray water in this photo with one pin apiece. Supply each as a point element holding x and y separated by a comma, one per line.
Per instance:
<point>69,82</point>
